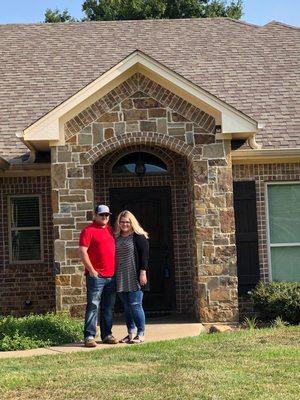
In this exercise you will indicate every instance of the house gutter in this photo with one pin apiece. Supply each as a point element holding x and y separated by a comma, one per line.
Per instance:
<point>32,154</point>
<point>265,156</point>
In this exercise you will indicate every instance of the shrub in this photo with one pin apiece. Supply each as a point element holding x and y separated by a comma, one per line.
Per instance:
<point>38,331</point>
<point>250,323</point>
<point>279,323</point>
<point>278,299</point>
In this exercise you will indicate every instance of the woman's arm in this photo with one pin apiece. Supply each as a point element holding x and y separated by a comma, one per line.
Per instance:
<point>143,277</point>
<point>142,245</point>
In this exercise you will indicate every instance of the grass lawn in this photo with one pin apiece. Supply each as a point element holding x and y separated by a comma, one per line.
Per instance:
<point>257,364</point>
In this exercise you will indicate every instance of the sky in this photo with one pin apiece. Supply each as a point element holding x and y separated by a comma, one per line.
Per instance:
<point>257,12</point>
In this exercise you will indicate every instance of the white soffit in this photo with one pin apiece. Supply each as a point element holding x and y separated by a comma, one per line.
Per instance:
<point>50,126</point>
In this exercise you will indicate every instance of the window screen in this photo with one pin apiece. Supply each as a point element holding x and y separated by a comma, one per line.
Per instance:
<point>284,231</point>
<point>25,229</point>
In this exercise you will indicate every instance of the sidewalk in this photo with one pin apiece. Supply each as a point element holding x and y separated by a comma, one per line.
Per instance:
<point>157,329</point>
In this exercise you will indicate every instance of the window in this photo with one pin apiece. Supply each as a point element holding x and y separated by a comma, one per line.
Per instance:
<point>128,164</point>
<point>25,229</point>
<point>283,201</point>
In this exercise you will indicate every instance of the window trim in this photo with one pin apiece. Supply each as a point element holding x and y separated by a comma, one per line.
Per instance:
<point>269,245</point>
<point>10,229</point>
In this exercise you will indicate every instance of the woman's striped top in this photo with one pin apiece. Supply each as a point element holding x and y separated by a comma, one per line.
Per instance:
<point>126,275</point>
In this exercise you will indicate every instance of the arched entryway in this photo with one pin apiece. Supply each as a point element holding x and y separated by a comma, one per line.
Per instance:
<point>162,201</point>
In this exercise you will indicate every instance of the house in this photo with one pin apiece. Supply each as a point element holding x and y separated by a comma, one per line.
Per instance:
<point>192,124</point>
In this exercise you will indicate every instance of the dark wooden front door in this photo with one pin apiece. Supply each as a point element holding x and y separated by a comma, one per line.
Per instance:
<point>152,208</point>
<point>246,235</point>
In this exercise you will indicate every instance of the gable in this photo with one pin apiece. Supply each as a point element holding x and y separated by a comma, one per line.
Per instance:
<point>139,104</point>
<point>50,130</point>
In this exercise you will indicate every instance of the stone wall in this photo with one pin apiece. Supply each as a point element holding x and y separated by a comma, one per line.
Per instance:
<point>26,281</point>
<point>140,112</point>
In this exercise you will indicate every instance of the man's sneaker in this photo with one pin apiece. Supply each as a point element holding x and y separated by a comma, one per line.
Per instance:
<point>126,339</point>
<point>110,340</point>
<point>138,339</point>
<point>90,343</point>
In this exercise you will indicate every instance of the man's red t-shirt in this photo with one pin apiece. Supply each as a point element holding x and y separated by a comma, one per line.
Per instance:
<point>101,248</point>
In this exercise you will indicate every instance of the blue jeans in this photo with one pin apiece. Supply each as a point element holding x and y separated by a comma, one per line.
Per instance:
<point>99,290</point>
<point>134,312</point>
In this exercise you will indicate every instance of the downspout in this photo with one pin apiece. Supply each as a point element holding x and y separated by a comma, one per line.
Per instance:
<point>252,140</point>
<point>32,154</point>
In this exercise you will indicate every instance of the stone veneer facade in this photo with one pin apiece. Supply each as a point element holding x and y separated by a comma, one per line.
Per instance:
<point>139,112</point>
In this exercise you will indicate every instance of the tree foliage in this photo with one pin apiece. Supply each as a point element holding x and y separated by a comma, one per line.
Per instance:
<point>108,10</point>
<point>58,16</point>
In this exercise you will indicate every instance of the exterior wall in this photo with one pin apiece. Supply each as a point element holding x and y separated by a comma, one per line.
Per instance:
<point>262,173</point>
<point>142,113</point>
<point>35,281</point>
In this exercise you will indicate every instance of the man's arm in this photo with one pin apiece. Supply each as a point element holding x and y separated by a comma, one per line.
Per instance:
<point>83,254</point>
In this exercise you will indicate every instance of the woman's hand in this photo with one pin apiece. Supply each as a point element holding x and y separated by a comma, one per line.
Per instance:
<point>143,278</point>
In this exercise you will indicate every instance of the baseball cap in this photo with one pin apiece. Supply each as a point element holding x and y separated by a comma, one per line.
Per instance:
<point>102,209</point>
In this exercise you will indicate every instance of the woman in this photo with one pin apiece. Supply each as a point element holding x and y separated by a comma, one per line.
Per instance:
<point>132,253</point>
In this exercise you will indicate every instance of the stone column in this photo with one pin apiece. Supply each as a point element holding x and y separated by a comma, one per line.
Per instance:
<point>215,235</point>
<point>72,202</point>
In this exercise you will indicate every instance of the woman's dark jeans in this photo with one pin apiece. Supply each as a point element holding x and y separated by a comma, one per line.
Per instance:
<point>134,312</point>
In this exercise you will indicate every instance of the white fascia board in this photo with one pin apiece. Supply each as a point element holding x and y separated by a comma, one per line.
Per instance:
<point>48,127</point>
<point>49,123</point>
<point>233,121</point>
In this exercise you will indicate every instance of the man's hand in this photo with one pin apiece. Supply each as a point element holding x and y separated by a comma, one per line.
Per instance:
<point>83,254</point>
<point>143,278</point>
<point>93,273</point>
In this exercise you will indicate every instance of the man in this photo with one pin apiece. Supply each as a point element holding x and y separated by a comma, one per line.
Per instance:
<point>97,253</point>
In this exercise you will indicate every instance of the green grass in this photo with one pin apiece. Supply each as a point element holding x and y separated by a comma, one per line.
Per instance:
<point>254,364</point>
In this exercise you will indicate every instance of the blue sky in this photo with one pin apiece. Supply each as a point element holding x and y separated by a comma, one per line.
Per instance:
<point>257,12</point>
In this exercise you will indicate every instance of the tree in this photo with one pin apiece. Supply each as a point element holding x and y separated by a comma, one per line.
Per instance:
<point>145,9</point>
<point>108,10</point>
<point>58,16</point>
<point>219,9</point>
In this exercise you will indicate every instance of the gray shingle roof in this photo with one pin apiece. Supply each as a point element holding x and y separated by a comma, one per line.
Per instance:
<point>255,69</point>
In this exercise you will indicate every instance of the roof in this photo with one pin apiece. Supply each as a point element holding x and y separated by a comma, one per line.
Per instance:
<point>254,69</point>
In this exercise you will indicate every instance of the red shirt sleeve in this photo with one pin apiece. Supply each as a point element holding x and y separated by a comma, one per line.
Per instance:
<point>85,238</point>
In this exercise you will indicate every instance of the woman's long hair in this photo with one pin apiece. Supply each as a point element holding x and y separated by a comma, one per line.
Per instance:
<point>135,226</point>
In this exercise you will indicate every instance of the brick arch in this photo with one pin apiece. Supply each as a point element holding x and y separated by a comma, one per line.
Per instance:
<point>144,138</point>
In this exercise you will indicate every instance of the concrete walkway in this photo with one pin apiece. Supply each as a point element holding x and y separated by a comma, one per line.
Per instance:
<point>156,329</point>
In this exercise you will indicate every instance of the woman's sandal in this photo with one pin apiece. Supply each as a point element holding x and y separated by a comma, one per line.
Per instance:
<point>126,339</point>
<point>137,339</point>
